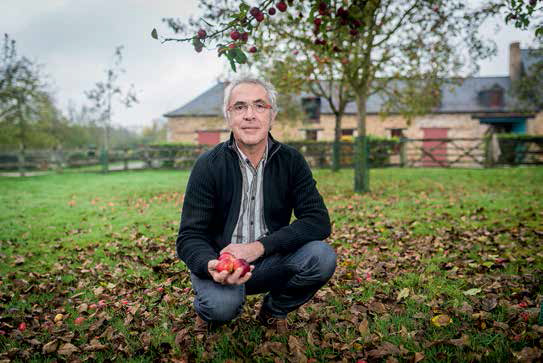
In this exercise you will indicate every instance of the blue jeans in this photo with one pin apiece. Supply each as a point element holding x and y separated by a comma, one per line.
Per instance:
<point>289,281</point>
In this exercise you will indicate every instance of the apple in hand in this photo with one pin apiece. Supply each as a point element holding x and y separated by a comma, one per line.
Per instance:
<point>226,256</point>
<point>240,262</point>
<point>227,262</point>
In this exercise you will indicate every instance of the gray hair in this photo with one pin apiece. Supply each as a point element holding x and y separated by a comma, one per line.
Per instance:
<point>270,91</point>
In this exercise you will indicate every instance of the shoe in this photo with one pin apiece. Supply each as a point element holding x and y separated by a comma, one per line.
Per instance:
<point>273,322</point>
<point>200,326</point>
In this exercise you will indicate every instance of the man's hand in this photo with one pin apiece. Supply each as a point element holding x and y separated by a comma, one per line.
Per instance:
<point>226,278</point>
<point>248,251</point>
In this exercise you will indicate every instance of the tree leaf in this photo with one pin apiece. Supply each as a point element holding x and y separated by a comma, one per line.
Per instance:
<point>154,34</point>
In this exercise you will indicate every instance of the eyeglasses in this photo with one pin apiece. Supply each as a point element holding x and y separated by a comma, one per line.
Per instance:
<point>242,107</point>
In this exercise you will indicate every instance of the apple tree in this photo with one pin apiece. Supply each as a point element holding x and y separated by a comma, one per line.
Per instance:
<point>401,49</point>
<point>525,13</point>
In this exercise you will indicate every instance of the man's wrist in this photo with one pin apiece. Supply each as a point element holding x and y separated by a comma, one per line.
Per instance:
<point>260,247</point>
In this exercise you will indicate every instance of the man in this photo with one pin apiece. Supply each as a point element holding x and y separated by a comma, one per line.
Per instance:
<point>239,199</point>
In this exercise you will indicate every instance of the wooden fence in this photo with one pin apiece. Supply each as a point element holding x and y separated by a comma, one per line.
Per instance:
<point>463,153</point>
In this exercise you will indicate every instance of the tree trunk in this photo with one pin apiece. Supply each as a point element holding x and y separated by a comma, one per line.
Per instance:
<point>361,167</point>
<point>336,149</point>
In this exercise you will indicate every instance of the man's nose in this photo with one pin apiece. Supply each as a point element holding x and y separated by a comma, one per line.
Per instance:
<point>250,113</point>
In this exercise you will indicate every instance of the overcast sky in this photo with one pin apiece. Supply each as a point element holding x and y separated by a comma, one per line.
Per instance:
<point>75,41</point>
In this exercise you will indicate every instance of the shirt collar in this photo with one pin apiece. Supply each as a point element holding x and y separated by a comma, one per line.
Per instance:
<point>244,157</point>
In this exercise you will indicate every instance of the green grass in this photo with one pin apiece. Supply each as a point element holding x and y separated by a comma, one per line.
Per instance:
<point>433,234</point>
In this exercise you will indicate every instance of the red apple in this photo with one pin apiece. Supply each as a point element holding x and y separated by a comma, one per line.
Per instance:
<point>22,326</point>
<point>271,11</point>
<point>254,11</point>
<point>281,6</point>
<point>241,263</point>
<point>225,265</point>
<point>93,306</point>
<point>234,35</point>
<point>201,34</point>
<point>226,256</point>
<point>244,37</point>
<point>79,320</point>
<point>259,17</point>
<point>253,50</point>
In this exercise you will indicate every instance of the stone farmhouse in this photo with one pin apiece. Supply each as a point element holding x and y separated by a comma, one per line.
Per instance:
<point>466,110</point>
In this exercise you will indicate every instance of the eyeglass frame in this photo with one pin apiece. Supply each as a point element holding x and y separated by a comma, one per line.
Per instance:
<point>253,105</point>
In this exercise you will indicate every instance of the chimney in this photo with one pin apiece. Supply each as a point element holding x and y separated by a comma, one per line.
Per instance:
<point>514,61</point>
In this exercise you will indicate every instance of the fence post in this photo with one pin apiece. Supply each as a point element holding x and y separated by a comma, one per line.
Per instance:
<point>125,158</point>
<point>403,152</point>
<point>21,160</point>
<point>104,160</point>
<point>488,152</point>
<point>59,158</point>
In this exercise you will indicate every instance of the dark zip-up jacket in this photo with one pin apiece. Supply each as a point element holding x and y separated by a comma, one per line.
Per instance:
<point>213,197</point>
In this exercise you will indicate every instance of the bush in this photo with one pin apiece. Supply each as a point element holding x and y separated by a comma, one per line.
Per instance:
<point>515,148</point>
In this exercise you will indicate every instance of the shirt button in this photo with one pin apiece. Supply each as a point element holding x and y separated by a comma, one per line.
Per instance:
<point>251,223</point>
<point>252,198</point>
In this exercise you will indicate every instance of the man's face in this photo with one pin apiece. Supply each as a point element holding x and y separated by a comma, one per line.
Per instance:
<point>250,127</point>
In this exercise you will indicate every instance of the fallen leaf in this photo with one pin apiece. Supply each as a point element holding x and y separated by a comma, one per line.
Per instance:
<point>296,349</point>
<point>270,348</point>
<point>460,342</point>
<point>50,347</point>
<point>403,294</point>
<point>67,349</point>
<point>383,350</point>
<point>83,308</point>
<point>472,292</point>
<point>179,337</point>
<point>441,320</point>
<point>363,327</point>
<point>418,357</point>
<point>95,345</point>
<point>489,304</point>
<point>528,354</point>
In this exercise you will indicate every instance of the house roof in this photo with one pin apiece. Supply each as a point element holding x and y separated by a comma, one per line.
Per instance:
<point>208,103</point>
<point>456,98</point>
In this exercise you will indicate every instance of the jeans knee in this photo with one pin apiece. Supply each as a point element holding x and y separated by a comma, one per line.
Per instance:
<point>322,260</point>
<point>219,310</point>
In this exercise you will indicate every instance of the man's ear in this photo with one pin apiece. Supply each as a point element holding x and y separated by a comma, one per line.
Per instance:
<point>272,118</point>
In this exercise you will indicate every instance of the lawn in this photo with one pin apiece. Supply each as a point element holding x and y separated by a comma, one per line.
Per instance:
<point>435,265</point>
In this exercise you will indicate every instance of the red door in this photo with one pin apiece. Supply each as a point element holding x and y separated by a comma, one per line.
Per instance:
<point>208,137</point>
<point>435,152</point>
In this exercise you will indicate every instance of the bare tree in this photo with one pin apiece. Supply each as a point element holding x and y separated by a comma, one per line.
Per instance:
<point>106,93</point>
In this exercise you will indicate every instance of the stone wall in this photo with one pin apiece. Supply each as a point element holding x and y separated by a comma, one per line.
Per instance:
<point>184,129</point>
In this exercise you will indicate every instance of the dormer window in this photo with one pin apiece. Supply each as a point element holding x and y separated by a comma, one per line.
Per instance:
<point>312,109</point>
<point>492,97</point>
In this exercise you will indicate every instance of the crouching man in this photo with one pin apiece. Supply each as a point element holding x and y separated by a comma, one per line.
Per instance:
<point>239,199</point>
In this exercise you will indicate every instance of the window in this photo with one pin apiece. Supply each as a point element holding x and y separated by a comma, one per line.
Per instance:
<point>347,132</point>
<point>397,133</point>
<point>312,109</point>
<point>311,135</point>
<point>492,97</point>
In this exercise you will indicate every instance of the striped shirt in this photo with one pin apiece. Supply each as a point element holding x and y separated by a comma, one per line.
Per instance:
<point>251,225</point>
